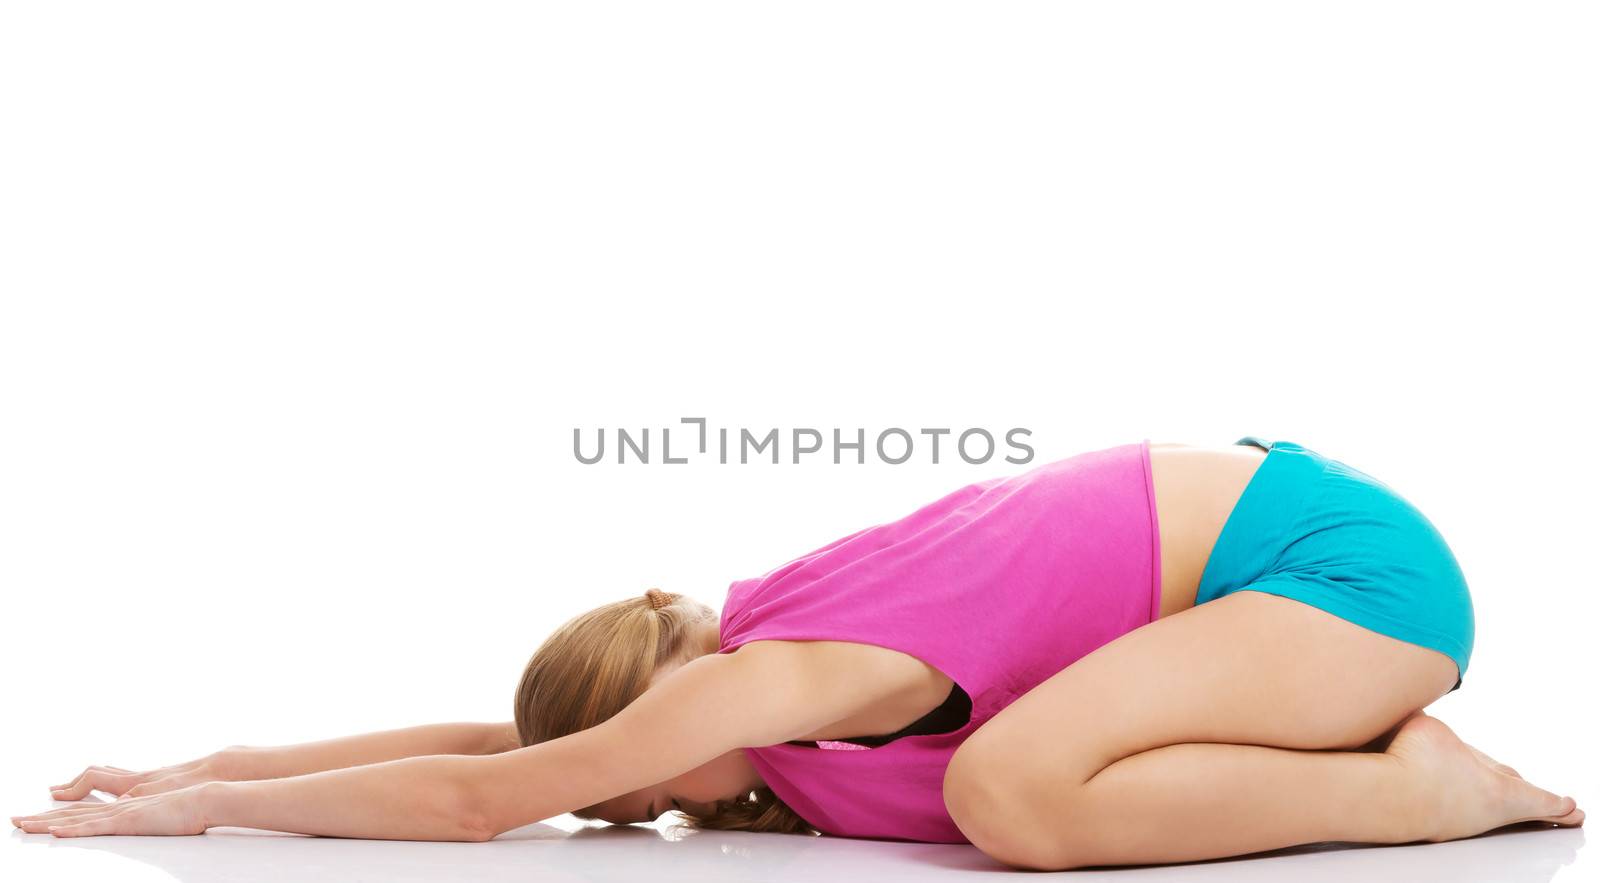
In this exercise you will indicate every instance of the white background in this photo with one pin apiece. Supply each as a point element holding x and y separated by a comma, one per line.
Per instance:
<point>303,301</point>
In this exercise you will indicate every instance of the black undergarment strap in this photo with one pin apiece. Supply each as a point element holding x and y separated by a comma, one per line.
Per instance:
<point>952,715</point>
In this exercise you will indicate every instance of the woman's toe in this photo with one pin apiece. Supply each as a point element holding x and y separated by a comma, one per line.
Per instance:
<point>1523,801</point>
<point>1571,819</point>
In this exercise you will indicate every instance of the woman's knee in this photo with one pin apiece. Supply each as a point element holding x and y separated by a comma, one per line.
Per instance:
<point>991,799</point>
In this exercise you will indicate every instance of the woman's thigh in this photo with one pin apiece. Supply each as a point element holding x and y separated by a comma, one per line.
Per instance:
<point>1247,668</point>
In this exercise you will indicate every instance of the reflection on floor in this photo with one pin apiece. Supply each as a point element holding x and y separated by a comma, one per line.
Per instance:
<point>565,849</point>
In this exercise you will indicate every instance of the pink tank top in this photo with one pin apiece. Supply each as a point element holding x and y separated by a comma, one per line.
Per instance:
<point>999,585</point>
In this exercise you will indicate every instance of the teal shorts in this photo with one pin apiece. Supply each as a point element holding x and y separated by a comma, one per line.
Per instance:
<point>1313,529</point>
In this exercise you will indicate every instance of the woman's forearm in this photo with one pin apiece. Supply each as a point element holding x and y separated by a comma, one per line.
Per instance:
<point>249,762</point>
<point>239,762</point>
<point>413,798</point>
<point>431,797</point>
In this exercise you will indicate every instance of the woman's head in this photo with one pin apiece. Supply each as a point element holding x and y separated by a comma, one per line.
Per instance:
<point>597,663</point>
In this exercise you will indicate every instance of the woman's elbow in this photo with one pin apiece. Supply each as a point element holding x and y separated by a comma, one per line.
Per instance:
<point>467,816</point>
<point>494,795</point>
<point>476,828</point>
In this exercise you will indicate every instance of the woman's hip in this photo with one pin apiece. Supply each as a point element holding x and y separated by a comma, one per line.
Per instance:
<point>1318,530</point>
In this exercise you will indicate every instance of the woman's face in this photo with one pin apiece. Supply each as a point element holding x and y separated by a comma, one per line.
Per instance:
<point>722,778</point>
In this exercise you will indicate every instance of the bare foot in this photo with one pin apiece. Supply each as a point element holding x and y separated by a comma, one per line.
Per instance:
<point>1489,761</point>
<point>1469,792</point>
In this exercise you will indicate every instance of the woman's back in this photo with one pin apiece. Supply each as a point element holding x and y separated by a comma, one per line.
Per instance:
<point>992,588</point>
<point>1195,491</point>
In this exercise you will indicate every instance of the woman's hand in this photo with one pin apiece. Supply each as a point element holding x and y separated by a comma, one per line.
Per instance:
<point>222,766</point>
<point>170,812</point>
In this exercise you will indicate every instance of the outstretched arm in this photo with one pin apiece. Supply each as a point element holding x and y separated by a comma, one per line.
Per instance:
<point>712,705</point>
<point>242,762</point>
<point>368,748</point>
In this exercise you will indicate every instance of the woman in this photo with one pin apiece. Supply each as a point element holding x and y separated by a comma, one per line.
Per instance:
<point>1143,654</point>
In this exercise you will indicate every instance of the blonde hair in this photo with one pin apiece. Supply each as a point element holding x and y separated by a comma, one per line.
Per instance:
<point>599,661</point>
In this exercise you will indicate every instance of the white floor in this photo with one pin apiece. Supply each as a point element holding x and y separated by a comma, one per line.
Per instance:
<point>563,850</point>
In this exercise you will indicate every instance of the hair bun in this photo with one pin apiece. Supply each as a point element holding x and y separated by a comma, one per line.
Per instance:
<point>658,599</point>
